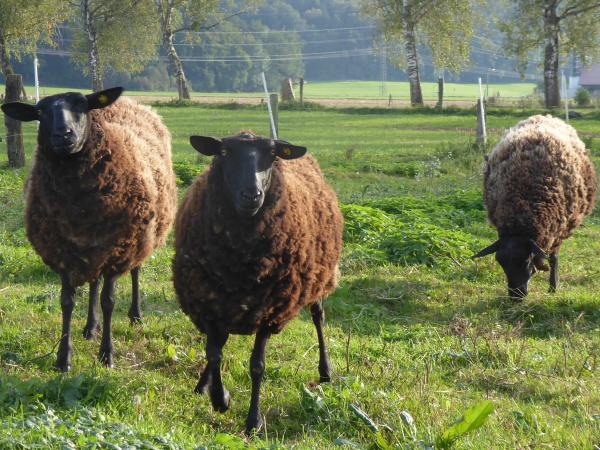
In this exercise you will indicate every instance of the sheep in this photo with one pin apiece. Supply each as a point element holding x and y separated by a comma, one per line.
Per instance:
<point>539,184</point>
<point>101,196</point>
<point>257,237</point>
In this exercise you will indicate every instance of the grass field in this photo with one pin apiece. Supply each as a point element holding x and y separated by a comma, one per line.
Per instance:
<point>352,90</point>
<point>415,327</point>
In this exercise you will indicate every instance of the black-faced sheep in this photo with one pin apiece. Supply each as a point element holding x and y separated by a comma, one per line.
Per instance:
<point>257,238</point>
<point>539,184</point>
<point>101,197</point>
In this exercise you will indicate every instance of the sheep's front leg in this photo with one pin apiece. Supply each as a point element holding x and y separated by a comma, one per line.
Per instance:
<point>254,421</point>
<point>107,302</point>
<point>91,327</point>
<point>553,272</point>
<point>219,397</point>
<point>318,317</point>
<point>67,303</point>
<point>135,310</point>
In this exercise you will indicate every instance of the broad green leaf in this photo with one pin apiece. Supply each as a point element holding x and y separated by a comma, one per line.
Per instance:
<point>472,419</point>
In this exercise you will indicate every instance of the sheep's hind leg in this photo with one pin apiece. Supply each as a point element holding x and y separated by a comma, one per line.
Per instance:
<point>553,272</point>
<point>203,382</point>
<point>135,310</point>
<point>107,302</point>
<point>318,317</point>
<point>219,397</point>
<point>67,303</point>
<point>254,421</point>
<point>92,327</point>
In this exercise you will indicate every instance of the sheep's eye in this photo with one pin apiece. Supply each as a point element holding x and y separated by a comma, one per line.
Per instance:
<point>223,152</point>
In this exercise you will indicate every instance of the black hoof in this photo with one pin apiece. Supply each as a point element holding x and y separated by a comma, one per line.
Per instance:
<point>91,331</point>
<point>254,424</point>
<point>63,358</point>
<point>134,317</point>
<point>221,404</point>
<point>106,358</point>
<point>63,367</point>
<point>325,379</point>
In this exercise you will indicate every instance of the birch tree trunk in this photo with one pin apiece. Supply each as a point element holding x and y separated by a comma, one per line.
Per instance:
<point>4,59</point>
<point>412,63</point>
<point>551,79</point>
<point>93,55</point>
<point>165,15</point>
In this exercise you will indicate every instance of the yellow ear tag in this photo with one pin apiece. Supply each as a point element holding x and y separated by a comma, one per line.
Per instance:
<point>102,99</point>
<point>287,151</point>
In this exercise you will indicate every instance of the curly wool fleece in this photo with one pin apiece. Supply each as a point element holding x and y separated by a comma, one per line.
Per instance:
<point>539,182</point>
<point>257,273</point>
<point>106,210</point>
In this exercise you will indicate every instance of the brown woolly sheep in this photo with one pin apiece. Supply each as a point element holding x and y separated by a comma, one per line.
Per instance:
<point>101,197</point>
<point>257,238</point>
<point>539,184</point>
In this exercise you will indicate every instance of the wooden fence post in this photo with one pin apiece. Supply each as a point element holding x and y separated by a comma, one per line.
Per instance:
<point>301,92</point>
<point>440,103</point>
<point>14,128</point>
<point>274,101</point>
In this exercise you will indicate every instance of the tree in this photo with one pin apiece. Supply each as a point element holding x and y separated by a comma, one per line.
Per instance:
<point>189,15</point>
<point>118,34</point>
<point>444,26</point>
<point>24,23</point>
<point>559,26</point>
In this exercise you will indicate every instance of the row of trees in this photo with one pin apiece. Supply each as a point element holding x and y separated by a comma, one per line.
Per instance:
<point>124,35</point>
<point>120,34</point>
<point>559,27</point>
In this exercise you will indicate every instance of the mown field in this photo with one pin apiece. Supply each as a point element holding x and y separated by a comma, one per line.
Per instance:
<point>351,90</point>
<point>415,327</point>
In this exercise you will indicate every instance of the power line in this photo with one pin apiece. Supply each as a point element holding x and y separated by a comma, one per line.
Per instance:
<point>314,30</point>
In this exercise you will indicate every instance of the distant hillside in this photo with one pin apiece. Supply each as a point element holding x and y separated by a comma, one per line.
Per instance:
<point>322,40</point>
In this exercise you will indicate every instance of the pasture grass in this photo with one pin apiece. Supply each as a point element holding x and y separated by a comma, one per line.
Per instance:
<point>347,90</point>
<point>416,329</point>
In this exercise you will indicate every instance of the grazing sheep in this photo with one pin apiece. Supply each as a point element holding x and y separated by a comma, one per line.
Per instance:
<point>539,184</point>
<point>257,238</point>
<point>101,197</point>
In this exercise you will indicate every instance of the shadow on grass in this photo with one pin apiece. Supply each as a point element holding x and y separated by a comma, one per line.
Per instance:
<point>364,305</point>
<point>548,317</point>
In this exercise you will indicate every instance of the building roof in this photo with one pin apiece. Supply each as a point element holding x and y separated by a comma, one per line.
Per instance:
<point>590,76</point>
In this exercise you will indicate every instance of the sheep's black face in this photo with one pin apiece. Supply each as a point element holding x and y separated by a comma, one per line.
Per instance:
<point>63,118</point>
<point>245,162</point>
<point>518,256</point>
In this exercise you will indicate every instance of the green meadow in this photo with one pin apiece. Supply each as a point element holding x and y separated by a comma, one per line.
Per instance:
<point>418,333</point>
<point>350,90</point>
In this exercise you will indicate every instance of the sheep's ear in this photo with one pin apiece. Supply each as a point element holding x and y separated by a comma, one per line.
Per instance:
<point>536,250</point>
<point>206,145</point>
<point>102,99</point>
<point>488,250</point>
<point>285,150</point>
<point>21,111</point>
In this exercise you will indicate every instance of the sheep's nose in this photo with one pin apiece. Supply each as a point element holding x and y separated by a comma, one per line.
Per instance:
<point>62,133</point>
<point>251,195</point>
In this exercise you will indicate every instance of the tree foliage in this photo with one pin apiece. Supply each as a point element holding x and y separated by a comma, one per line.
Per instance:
<point>24,24</point>
<point>126,33</point>
<point>445,27</point>
<point>555,28</point>
<point>523,29</point>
